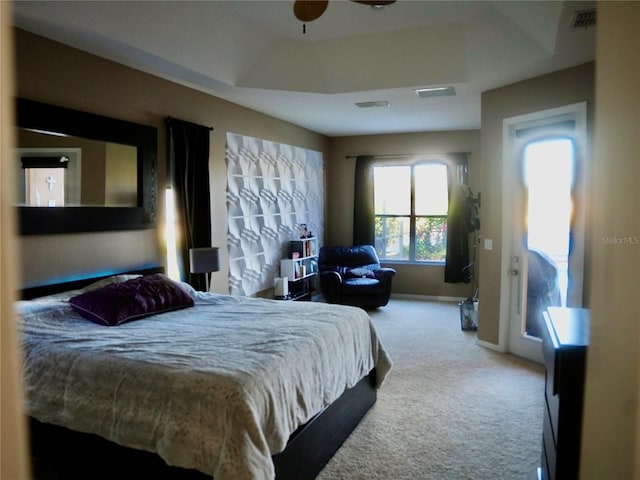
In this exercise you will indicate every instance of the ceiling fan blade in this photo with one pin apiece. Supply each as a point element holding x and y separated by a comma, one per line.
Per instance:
<point>375,3</point>
<point>309,10</point>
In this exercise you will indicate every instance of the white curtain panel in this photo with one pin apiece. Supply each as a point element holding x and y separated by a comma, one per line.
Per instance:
<point>271,189</point>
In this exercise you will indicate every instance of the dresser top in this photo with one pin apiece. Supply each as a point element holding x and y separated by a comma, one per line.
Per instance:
<point>570,325</point>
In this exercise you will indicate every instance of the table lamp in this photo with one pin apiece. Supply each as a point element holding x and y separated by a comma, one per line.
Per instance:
<point>204,260</point>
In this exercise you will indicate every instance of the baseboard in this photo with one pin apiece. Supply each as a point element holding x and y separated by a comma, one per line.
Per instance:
<point>490,346</point>
<point>317,297</point>
<point>429,298</point>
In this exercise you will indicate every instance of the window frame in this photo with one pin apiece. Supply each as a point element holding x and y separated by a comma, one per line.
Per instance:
<point>412,216</point>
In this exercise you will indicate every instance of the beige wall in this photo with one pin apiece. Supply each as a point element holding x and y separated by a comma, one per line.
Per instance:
<point>611,446</point>
<point>411,279</point>
<point>51,72</point>
<point>554,90</point>
<point>13,440</point>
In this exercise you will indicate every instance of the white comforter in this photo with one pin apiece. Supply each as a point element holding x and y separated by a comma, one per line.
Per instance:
<point>218,387</point>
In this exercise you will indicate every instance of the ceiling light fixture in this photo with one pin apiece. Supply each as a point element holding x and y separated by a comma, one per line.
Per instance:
<point>310,10</point>
<point>429,92</point>
<point>376,103</point>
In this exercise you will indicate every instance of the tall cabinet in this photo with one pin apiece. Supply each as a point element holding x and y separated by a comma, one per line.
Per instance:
<point>301,268</point>
<point>565,337</point>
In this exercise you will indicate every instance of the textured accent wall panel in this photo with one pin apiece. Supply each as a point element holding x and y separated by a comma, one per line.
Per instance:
<point>271,189</point>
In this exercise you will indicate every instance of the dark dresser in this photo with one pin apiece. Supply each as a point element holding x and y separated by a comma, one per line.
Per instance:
<point>565,337</point>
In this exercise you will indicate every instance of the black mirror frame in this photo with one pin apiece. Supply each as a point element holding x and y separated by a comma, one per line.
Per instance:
<point>46,220</point>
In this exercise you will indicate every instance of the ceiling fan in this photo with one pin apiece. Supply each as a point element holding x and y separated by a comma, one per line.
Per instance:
<point>309,10</point>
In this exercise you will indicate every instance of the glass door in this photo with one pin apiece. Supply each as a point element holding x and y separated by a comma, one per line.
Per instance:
<point>548,179</point>
<point>544,223</point>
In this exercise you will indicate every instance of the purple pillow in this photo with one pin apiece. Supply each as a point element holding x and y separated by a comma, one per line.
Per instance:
<point>131,300</point>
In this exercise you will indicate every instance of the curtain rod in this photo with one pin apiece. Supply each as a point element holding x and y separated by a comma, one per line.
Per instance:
<point>390,155</point>
<point>170,119</point>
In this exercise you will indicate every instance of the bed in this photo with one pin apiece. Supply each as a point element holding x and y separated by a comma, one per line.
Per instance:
<point>230,388</point>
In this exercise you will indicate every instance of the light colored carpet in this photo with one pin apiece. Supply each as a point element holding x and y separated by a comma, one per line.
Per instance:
<point>449,409</point>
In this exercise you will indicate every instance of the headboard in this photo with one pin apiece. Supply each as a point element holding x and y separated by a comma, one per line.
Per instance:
<point>53,288</point>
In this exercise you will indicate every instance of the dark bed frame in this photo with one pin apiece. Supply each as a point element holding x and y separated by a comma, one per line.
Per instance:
<point>62,454</point>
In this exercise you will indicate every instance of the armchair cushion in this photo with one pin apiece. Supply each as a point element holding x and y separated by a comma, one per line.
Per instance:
<point>353,276</point>
<point>360,273</point>
<point>360,282</point>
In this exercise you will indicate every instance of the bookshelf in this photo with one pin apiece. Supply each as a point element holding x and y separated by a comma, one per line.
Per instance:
<point>301,268</point>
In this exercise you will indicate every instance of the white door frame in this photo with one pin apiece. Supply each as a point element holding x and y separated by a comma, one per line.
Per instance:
<point>530,348</point>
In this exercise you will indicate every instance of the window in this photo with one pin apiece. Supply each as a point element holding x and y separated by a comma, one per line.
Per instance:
<point>411,204</point>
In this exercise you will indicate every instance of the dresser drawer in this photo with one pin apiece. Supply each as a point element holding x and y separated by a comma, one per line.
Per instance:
<point>544,473</point>
<point>553,408</point>
<point>564,346</point>
<point>549,446</point>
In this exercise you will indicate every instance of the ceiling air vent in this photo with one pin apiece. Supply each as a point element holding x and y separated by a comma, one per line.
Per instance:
<point>584,19</point>
<point>377,103</point>
<point>429,92</point>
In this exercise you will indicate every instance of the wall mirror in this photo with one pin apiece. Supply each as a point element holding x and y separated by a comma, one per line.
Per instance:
<point>81,172</point>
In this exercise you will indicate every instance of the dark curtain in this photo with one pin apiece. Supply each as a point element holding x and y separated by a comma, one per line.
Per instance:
<point>456,268</point>
<point>363,202</point>
<point>188,160</point>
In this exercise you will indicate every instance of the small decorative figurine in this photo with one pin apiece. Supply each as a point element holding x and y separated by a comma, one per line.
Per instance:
<point>303,232</point>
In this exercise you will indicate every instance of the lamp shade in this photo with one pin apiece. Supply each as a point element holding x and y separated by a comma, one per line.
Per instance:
<point>204,260</point>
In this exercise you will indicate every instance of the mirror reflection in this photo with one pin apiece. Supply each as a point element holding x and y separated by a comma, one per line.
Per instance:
<point>61,170</point>
<point>107,167</point>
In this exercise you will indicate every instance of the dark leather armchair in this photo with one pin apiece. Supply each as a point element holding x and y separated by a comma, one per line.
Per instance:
<point>353,276</point>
